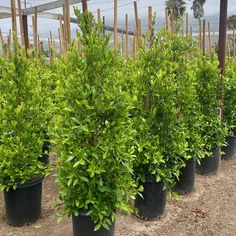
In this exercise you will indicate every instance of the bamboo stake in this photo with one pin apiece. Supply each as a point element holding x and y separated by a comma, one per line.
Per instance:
<point>1,39</point>
<point>149,26</point>
<point>39,45</point>
<point>126,37</point>
<point>137,22</point>
<point>166,21</point>
<point>123,44</point>
<point>13,16</point>
<point>14,25</point>
<point>187,24</point>
<point>3,43</point>
<point>65,28</point>
<point>115,24</point>
<point>9,41</point>
<point>62,33</point>
<point>49,46</point>
<point>21,23</point>
<point>204,38</point>
<point>134,45</point>
<point>136,15</point>
<point>200,34</point>
<point>213,41</point>
<point>191,31</point>
<point>139,33</point>
<point>60,41</point>
<point>172,23</point>
<point>68,26</point>
<point>36,30</point>
<point>209,37</point>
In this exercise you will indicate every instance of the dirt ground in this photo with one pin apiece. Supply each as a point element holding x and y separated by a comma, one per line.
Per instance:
<point>210,210</point>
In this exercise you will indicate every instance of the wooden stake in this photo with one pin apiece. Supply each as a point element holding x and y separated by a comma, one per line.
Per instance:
<point>149,26</point>
<point>99,14</point>
<point>84,6</point>
<point>126,37</point>
<point>204,38</point>
<point>115,24</point>
<point>187,24</point>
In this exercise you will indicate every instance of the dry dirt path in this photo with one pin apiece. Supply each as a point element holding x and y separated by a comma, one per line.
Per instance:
<point>210,210</point>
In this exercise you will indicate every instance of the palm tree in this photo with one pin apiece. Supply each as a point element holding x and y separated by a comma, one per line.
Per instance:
<point>197,7</point>
<point>176,9</point>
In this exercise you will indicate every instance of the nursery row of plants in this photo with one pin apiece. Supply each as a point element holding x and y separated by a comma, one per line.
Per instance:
<point>122,129</point>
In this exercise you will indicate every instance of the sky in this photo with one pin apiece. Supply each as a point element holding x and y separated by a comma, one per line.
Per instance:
<point>124,7</point>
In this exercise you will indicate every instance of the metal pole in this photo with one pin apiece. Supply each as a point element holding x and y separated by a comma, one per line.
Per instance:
<point>223,35</point>
<point>222,47</point>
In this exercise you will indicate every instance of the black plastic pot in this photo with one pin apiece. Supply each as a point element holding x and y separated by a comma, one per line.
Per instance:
<point>230,149</point>
<point>186,181</point>
<point>23,205</point>
<point>84,226</point>
<point>210,164</point>
<point>153,203</point>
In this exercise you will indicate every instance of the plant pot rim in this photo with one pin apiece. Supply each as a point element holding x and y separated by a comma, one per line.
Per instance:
<point>30,183</point>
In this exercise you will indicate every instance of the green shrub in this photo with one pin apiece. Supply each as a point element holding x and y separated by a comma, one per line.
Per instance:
<point>166,114</point>
<point>24,116</point>
<point>209,92</point>
<point>230,96</point>
<point>93,130</point>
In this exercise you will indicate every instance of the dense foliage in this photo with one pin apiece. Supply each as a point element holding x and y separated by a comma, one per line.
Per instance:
<point>167,113</point>
<point>209,93</point>
<point>230,96</point>
<point>93,129</point>
<point>25,113</point>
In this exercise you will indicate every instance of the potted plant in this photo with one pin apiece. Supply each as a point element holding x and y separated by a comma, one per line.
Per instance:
<point>230,109</point>
<point>24,113</point>
<point>93,132</point>
<point>159,119</point>
<point>183,53</point>
<point>213,129</point>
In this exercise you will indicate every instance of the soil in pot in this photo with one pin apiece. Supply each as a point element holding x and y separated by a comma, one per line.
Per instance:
<point>152,205</point>
<point>210,164</point>
<point>230,149</point>
<point>186,181</point>
<point>84,226</point>
<point>23,205</point>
